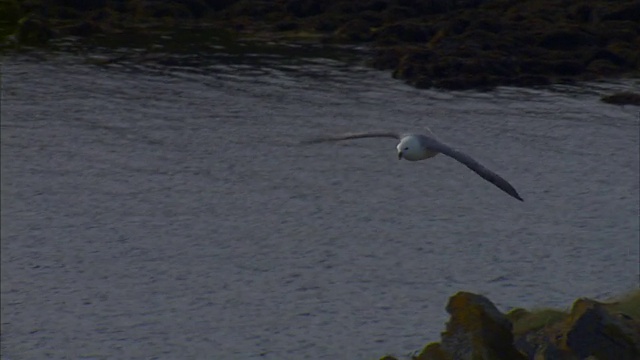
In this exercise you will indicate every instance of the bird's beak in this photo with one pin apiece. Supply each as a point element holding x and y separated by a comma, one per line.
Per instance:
<point>399,155</point>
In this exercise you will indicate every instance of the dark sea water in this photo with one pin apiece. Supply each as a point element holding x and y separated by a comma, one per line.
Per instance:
<point>161,208</point>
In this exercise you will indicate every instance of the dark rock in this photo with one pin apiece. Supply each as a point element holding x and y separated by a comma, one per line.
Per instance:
<point>550,351</point>
<point>197,8</point>
<point>404,32</point>
<point>257,9</point>
<point>388,357</point>
<point>533,66</point>
<point>602,67</point>
<point>169,11</point>
<point>432,7</point>
<point>566,40</point>
<point>567,67</point>
<point>595,332</point>
<point>623,98</point>
<point>433,351</point>
<point>630,11</point>
<point>473,43</point>
<point>83,5</point>
<point>530,80</point>
<point>607,54</point>
<point>531,330</point>
<point>374,19</point>
<point>84,28</point>
<point>34,30</point>
<point>477,330</point>
<point>617,30</point>
<point>477,50</point>
<point>286,26</point>
<point>65,13</point>
<point>466,81</point>
<point>396,13</point>
<point>458,26</point>
<point>494,25</point>
<point>422,82</point>
<point>355,30</point>
<point>517,314</point>
<point>480,40</point>
<point>305,8</point>
<point>628,54</point>
<point>582,13</point>
<point>374,5</point>
<point>590,331</point>
<point>218,5</point>
<point>387,58</point>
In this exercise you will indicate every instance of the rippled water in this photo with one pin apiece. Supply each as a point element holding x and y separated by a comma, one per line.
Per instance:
<point>161,208</point>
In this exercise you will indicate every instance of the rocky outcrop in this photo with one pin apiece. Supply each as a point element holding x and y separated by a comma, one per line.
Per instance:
<point>460,44</point>
<point>512,43</point>
<point>592,330</point>
<point>623,98</point>
<point>476,330</point>
<point>589,330</point>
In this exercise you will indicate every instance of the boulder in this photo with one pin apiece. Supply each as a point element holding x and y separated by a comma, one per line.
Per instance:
<point>589,331</point>
<point>404,32</point>
<point>433,351</point>
<point>33,30</point>
<point>593,331</point>
<point>566,39</point>
<point>476,330</point>
<point>623,98</point>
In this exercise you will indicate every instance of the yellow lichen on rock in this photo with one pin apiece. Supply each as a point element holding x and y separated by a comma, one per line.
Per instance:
<point>433,351</point>
<point>476,330</point>
<point>591,330</point>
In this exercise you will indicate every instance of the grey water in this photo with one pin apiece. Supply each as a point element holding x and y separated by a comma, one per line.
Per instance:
<point>163,208</point>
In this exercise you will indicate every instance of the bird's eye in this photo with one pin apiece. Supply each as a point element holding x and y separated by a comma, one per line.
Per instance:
<point>407,148</point>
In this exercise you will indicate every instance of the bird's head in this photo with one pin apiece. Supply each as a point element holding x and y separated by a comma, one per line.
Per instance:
<point>410,149</point>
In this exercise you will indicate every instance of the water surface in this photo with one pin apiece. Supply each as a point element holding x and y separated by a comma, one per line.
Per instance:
<point>160,207</point>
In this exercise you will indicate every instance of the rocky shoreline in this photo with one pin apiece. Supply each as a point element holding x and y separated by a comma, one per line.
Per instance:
<point>589,330</point>
<point>464,44</point>
<point>455,45</point>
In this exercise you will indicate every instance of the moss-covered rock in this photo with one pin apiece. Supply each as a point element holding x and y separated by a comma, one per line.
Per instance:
<point>406,32</point>
<point>354,30</point>
<point>590,330</point>
<point>475,331</point>
<point>433,351</point>
<point>34,30</point>
<point>388,357</point>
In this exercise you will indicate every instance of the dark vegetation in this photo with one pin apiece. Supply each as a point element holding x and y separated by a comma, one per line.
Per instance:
<point>451,44</point>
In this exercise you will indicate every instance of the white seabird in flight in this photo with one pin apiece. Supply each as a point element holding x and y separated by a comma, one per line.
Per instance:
<point>414,147</point>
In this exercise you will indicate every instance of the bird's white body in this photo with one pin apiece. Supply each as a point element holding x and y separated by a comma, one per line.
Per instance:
<point>409,148</point>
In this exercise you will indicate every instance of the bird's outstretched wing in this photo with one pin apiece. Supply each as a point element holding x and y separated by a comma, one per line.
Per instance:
<point>355,135</point>
<point>436,145</point>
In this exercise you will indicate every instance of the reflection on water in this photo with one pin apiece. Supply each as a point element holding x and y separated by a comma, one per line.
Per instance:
<point>159,205</point>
